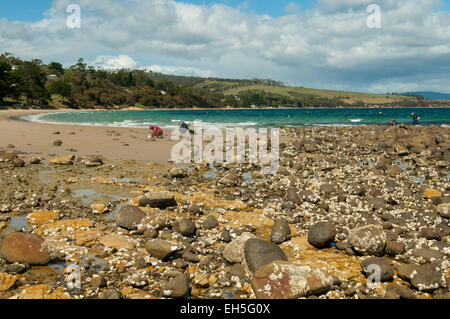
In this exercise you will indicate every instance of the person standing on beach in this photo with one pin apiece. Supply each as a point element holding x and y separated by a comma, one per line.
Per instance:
<point>415,119</point>
<point>184,127</point>
<point>156,131</point>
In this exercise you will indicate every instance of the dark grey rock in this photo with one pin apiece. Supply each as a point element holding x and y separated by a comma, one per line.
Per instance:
<point>162,249</point>
<point>238,270</point>
<point>159,200</point>
<point>16,268</point>
<point>18,162</point>
<point>140,263</point>
<point>177,287</point>
<point>427,278</point>
<point>129,217</point>
<point>210,222</point>
<point>371,266</point>
<point>430,233</point>
<point>321,235</point>
<point>259,253</point>
<point>394,248</point>
<point>186,227</point>
<point>429,255</point>
<point>225,235</point>
<point>281,232</point>
<point>293,196</point>
<point>191,257</point>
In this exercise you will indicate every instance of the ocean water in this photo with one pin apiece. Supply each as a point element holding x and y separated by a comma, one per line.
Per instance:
<point>249,117</point>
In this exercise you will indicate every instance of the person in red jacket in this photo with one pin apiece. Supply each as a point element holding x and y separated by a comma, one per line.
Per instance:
<point>156,131</point>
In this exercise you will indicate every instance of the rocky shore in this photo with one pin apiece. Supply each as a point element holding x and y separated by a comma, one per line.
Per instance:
<point>345,201</point>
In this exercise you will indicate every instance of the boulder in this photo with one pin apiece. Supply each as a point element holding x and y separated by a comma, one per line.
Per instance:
<point>368,240</point>
<point>159,200</point>
<point>378,269</point>
<point>444,210</point>
<point>177,287</point>
<point>25,248</point>
<point>129,217</point>
<point>162,249</point>
<point>154,220</point>
<point>321,235</point>
<point>283,280</point>
<point>186,227</point>
<point>259,253</point>
<point>281,232</point>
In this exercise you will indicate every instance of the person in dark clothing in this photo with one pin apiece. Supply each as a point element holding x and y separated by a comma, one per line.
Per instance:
<point>415,119</point>
<point>184,127</point>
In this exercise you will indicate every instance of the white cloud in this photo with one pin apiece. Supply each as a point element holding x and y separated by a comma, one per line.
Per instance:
<point>115,62</point>
<point>328,46</point>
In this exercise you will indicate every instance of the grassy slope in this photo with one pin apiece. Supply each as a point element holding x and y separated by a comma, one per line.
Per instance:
<point>233,88</point>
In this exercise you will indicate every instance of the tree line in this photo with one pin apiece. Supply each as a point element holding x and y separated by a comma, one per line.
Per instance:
<point>83,86</point>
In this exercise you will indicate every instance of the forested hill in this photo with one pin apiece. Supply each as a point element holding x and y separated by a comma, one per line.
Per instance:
<point>33,83</point>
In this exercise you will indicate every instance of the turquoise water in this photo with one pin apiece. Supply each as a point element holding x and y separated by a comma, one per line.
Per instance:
<point>250,117</point>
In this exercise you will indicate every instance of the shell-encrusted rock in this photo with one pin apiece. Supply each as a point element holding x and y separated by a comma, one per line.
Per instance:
<point>234,251</point>
<point>444,210</point>
<point>283,280</point>
<point>368,240</point>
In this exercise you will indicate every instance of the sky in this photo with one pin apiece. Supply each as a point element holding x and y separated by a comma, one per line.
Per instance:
<point>327,44</point>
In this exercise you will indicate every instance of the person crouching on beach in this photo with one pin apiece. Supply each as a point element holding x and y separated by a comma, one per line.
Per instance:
<point>156,132</point>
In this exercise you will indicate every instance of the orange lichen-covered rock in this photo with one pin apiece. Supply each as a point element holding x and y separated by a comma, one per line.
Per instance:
<point>25,248</point>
